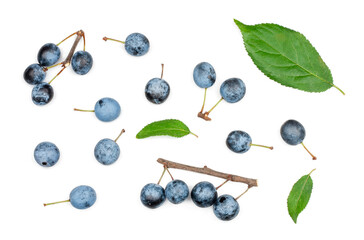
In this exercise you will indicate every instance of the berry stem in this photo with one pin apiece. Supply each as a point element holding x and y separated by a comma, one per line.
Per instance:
<point>46,204</point>
<point>81,110</point>
<point>222,184</point>
<point>106,38</point>
<point>160,179</point>
<point>204,100</point>
<point>214,106</point>
<point>242,193</point>
<point>84,41</point>
<point>169,173</point>
<point>67,38</point>
<point>162,71</point>
<point>63,68</point>
<point>313,157</point>
<point>258,145</point>
<point>121,133</point>
<point>205,170</point>
<point>55,65</point>
<point>206,114</point>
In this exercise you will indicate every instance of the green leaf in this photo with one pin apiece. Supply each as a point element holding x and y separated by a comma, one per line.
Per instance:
<point>286,56</point>
<point>170,127</point>
<point>299,196</point>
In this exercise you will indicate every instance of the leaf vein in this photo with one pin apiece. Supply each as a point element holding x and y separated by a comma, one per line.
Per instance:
<point>303,186</point>
<point>169,129</point>
<point>292,60</point>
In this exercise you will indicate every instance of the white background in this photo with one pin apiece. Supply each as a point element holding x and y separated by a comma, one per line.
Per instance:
<point>181,34</point>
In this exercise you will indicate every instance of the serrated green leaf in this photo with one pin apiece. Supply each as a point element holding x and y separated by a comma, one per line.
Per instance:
<point>286,56</point>
<point>299,196</point>
<point>170,127</point>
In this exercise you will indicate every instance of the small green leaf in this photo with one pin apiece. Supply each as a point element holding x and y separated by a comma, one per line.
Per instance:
<point>170,127</point>
<point>286,56</point>
<point>299,196</point>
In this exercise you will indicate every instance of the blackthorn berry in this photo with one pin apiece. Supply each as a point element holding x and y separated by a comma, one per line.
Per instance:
<point>204,75</point>
<point>42,94</point>
<point>34,74</point>
<point>238,141</point>
<point>204,194</point>
<point>232,90</point>
<point>157,90</point>
<point>46,154</point>
<point>293,132</point>
<point>176,191</point>
<point>48,54</point>
<point>107,151</point>
<point>226,207</point>
<point>152,195</point>
<point>137,44</point>
<point>82,197</point>
<point>81,62</point>
<point>107,109</point>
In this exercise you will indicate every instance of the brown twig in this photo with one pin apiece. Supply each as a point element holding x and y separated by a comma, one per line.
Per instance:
<point>67,61</point>
<point>80,34</point>
<point>205,170</point>
<point>204,116</point>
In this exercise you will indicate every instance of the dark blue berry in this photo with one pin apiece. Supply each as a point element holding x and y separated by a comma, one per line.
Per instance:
<point>226,208</point>
<point>42,94</point>
<point>204,194</point>
<point>152,195</point>
<point>107,109</point>
<point>238,141</point>
<point>106,151</point>
<point>204,75</point>
<point>177,191</point>
<point>48,54</point>
<point>81,62</point>
<point>136,44</point>
<point>82,197</point>
<point>157,90</point>
<point>293,132</point>
<point>232,90</point>
<point>34,74</point>
<point>46,154</point>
